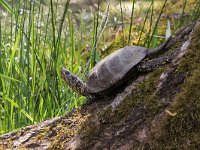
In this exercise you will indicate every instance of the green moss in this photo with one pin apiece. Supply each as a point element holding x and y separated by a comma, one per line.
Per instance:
<point>174,132</point>
<point>107,117</point>
<point>182,130</point>
<point>90,130</point>
<point>67,129</point>
<point>149,101</point>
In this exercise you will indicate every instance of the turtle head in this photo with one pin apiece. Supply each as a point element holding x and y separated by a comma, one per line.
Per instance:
<point>75,83</point>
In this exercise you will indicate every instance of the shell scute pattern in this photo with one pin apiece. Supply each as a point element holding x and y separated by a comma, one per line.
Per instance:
<point>115,64</point>
<point>104,75</point>
<point>114,67</point>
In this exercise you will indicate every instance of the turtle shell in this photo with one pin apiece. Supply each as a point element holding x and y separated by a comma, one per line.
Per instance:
<point>114,67</point>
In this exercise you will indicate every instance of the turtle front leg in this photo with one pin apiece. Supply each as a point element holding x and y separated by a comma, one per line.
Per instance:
<point>152,64</point>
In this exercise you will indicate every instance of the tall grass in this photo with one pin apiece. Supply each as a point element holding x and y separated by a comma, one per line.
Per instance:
<point>30,66</point>
<point>131,23</point>
<point>153,39</point>
<point>35,43</point>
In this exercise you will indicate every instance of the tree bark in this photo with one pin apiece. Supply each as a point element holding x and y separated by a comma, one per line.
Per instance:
<point>157,110</point>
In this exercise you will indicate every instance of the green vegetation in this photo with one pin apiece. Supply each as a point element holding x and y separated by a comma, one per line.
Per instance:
<point>182,130</point>
<point>39,39</point>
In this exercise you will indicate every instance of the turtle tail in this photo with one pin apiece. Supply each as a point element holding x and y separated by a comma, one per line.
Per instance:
<point>75,83</point>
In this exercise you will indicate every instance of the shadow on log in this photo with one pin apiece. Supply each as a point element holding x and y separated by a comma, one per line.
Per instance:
<point>158,110</point>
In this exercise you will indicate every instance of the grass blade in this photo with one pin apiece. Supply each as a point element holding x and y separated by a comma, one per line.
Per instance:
<point>157,21</point>
<point>17,106</point>
<point>7,6</point>
<point>131,24</point>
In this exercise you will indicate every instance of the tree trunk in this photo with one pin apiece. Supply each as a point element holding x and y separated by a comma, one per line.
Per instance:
<point>158,110</point>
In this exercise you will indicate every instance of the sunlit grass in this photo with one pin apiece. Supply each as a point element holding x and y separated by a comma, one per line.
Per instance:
<point>31,59</point>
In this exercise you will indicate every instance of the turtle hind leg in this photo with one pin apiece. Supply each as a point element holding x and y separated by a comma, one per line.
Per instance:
<point>152,64</point>
<point>158,50</point>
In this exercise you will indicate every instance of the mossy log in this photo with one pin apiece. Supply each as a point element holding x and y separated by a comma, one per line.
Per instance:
<point>158,110</point>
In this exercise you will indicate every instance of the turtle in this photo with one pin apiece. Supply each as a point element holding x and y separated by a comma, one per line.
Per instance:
<point>115,69</point>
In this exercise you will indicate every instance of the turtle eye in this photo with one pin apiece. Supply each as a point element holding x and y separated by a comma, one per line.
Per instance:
<point>69,77</point>
<point>65,72</point>
<point>73,80</point>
